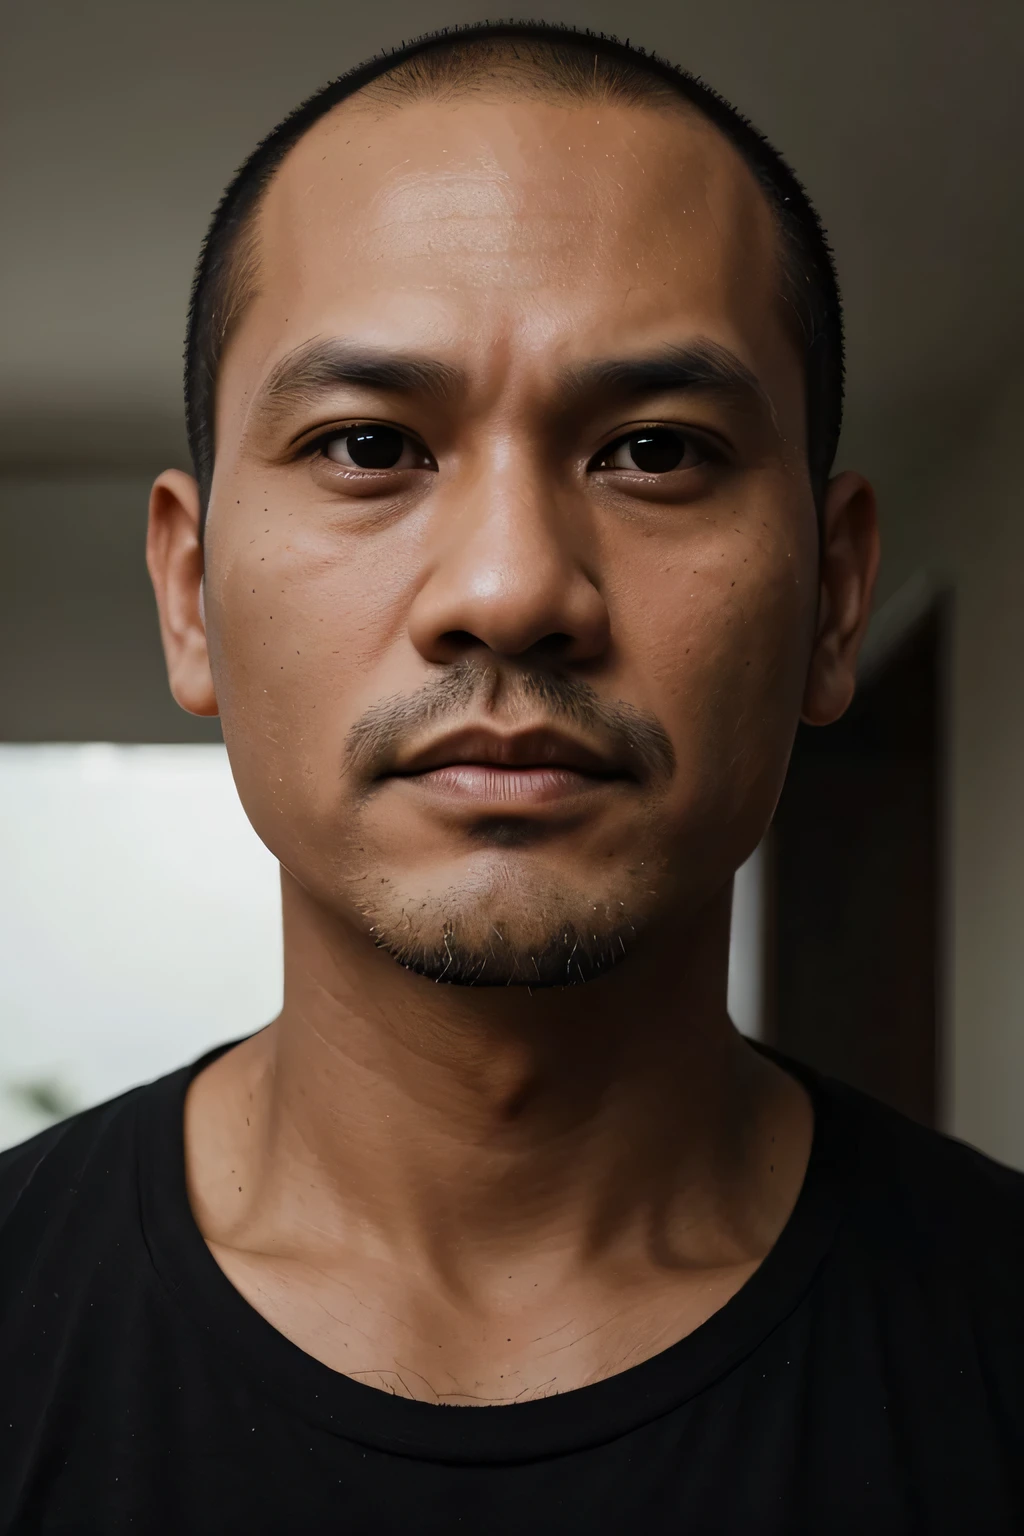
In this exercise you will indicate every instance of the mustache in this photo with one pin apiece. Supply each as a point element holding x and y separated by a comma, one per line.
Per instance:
<point>376,736</point>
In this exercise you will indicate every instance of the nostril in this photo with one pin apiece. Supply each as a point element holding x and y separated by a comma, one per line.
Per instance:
<point>462,642</point>
<point>458,642</point>
<point>553,647</point>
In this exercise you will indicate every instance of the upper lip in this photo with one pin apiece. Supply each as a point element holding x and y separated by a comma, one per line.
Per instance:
<point>541,747</point>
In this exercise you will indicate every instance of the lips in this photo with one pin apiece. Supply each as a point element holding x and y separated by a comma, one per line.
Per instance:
<point>537,750</point>
<point>504,772</point>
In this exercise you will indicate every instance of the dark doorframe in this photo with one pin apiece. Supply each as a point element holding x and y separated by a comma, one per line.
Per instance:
<point>855,878</point>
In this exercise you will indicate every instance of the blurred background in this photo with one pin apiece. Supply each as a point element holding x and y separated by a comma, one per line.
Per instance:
<point>879,928</point>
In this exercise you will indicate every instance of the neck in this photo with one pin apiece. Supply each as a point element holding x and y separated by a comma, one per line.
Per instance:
<point>466,1127</point>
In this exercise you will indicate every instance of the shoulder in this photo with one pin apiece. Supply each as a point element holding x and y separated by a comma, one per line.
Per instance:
<point>41,1177</point>
<point>78,1183</point>
<point>75,1186</point>
<point>921,1158</point>
<point>930,1247</point>
<point>919,1193</point>
<point>899,1165</point>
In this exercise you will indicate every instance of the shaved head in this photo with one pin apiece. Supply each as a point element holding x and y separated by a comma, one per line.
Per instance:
<point>549,64</point>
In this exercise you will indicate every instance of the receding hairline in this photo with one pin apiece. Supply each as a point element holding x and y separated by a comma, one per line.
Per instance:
<point>387,94</point>
<point>531,68</point>
<point>529,60</point>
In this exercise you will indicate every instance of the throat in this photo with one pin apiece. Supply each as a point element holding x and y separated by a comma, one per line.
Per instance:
<point>369,1323</point>
<point>477,1278</point>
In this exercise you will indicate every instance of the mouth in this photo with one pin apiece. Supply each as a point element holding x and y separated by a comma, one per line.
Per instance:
<point>517,771</point>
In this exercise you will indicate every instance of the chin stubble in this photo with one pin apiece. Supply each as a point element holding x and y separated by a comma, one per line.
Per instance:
<point>567,956</point>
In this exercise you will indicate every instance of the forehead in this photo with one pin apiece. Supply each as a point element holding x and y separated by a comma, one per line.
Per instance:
<point>517,226</point>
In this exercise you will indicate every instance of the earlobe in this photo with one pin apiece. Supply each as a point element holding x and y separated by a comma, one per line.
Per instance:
<point>174,555</point>
<point>847,571</point>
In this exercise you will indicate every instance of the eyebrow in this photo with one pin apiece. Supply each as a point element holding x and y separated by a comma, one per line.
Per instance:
<point>319,366</point>
<point>701,366</point>
<point>313,370</point>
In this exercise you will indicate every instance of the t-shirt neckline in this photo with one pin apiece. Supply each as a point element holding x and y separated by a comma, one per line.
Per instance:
<point>280,1370</point>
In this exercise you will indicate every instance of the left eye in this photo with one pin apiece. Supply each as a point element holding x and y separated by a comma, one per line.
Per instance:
<point>651,451</point>
<point>375,447</point>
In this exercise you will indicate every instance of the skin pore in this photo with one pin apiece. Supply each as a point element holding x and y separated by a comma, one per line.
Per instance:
<point>510,693</point>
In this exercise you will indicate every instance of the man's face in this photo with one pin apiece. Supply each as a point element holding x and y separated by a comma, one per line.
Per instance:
<point>511,558</point>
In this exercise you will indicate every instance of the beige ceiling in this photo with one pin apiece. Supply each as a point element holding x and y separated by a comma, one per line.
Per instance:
<point>124,118</point>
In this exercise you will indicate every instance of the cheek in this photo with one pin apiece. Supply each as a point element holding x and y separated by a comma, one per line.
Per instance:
<point>727,637</point>
<point>300,619</point>
<point>296,639</point>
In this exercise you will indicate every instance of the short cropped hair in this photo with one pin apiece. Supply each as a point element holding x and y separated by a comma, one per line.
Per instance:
<point>553,61</point>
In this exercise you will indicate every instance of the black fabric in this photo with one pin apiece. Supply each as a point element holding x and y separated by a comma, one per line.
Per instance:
<point>868,1378</point>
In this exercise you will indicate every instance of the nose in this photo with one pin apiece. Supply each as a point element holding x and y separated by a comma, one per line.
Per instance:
<point>511,568</point>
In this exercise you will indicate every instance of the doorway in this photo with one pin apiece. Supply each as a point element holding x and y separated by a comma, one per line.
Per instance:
<point>855,881</point>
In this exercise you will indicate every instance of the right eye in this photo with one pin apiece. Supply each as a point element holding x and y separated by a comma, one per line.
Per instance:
<point>653,451</point>
<point>371,446</point>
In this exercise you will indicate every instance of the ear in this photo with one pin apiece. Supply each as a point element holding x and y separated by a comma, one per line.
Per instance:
<point>847,571</point>
<point>174,555</point>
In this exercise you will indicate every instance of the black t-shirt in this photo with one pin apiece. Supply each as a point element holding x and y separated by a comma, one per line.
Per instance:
<point>868,1378</point>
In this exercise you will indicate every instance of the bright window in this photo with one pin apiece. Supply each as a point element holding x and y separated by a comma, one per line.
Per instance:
<point>139,921</point>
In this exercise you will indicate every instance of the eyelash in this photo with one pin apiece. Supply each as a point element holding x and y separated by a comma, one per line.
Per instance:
<point>317,446</point>
<point>711,450</point>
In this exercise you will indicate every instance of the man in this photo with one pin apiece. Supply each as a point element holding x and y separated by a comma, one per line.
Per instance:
<point>512,559</point>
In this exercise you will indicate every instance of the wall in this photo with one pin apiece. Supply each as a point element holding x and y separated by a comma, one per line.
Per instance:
<point>78,628</point>
<point>956,520</point>
<point>983,544</point>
